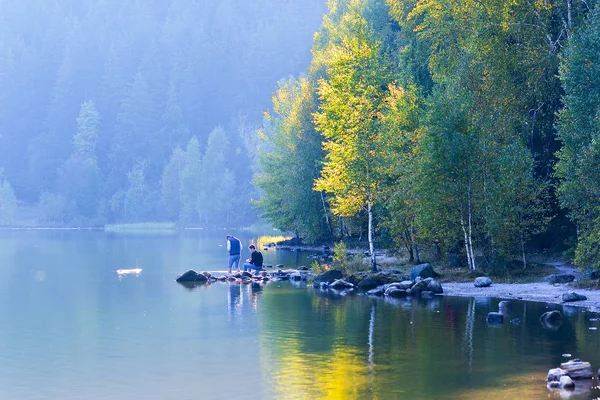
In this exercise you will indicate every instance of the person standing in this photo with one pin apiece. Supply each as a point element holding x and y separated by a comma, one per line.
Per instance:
<point>255,261</point>
<point>234,249</point>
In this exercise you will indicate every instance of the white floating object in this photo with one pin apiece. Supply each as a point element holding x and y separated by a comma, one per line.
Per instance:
<point>593,328</point>
<point>566,355</point>
<point>133,271</point>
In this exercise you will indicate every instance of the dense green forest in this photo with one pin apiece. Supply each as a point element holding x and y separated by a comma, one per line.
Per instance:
<point>463,128</point>
<point>128,111</point>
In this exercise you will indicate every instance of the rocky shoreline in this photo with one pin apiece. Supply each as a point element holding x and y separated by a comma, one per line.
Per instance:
<point>539,291</point>
<point>421,282</point>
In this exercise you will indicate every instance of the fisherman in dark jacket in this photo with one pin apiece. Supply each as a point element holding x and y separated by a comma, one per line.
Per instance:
<point>234,248</point>
<point>255,261</point>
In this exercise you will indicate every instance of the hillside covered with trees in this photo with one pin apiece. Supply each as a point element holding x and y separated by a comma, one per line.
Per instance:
<point>129,111</point>
<point>464,128</point>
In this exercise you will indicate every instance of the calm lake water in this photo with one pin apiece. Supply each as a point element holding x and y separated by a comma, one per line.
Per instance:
<point>71,328</point>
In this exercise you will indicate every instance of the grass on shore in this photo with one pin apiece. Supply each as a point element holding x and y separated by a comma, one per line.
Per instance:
<point>510,274</point>
<point>144,227</point>
<point>266,240</point>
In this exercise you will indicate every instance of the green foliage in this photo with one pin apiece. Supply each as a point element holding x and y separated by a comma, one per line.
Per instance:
<point>579,131</point>
<point>318,268</point>
<point>289,159</point>
<point>55,208</point>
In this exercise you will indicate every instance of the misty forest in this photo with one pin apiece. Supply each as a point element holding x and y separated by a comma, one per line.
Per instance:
<point>464,129</point>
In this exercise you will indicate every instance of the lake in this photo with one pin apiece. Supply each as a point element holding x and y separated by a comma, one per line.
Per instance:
<point>72,328</point>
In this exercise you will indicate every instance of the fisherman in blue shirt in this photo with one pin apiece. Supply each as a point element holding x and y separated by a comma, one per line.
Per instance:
<point>234,248</point>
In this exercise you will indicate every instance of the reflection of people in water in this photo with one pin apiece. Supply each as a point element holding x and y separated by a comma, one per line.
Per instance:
<point>234,299</point>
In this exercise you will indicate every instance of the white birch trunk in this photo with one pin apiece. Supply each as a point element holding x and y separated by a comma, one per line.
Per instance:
<point>371,247</point>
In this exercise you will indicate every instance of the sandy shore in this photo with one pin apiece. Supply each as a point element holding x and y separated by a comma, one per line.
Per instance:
<point>539,291</point>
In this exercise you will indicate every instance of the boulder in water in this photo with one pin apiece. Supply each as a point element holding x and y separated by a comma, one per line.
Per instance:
<point>191,276</point>
<point>551,320</point>
<point>329,276</point>
<point>495,318</point>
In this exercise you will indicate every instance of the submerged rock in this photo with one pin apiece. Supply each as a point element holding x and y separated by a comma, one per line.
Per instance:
<point>495,318</point>
<point>482,281</point>
<point>551,320</point>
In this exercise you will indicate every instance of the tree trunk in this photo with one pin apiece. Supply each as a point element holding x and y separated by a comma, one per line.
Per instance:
<point>523,250</point>
<point>471,228</point>
<point>415,245</point>
<point>326,216</point>
<point>371,246</point>
<point>462,224</point>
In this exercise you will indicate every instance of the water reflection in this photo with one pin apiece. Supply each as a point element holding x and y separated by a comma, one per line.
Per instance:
<point>318,344</point>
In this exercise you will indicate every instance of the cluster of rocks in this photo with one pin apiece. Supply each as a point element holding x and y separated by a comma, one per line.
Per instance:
<point>392,283</point>
<point>193,277</point>
<point>565,376</point>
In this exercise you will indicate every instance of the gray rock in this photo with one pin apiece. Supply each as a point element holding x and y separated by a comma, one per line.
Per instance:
<point>295,276</point>
<point>329,276</point>
<point>566,383</point>
<point>395,292</point>
<point>418,287</point>
<point>505,307</point>
<point>404,284</point>
<point>370,282</point>
<point>303,268</point>
<point>422,270</point>
<point>246,274</point>
<point>341,284</point>
<point>559,278</point>
<point>207,274</point>
<point>553,385</point>
<point>191,276</point>
<point>572,296</point>
<point>577,369</point>
<point>482,281</point>
<point>495,318</point>
<point>555,374</point>
<point>378,291</point>
<point>427,294</point>
<point>434,286</point>
<point>551,320</point>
